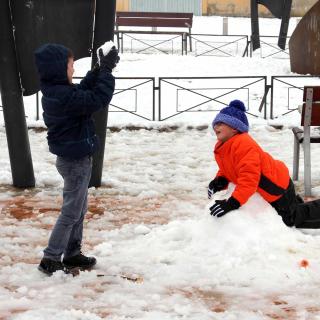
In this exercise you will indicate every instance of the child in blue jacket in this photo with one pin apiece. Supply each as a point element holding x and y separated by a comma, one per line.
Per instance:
<point>67,111</point>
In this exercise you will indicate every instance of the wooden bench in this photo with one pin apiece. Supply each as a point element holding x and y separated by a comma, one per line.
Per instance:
<point>310,117</point>
<point>154,20</point>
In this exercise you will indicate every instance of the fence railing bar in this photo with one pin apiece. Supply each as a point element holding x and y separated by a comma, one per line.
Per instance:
<point>213,48</point>
<point>148,45</point>
<point>204,96</point>
<point>222,46</point>
<point>130,88</point>
<point>209,98</point>
<point>128,111</point>
<point>290,86</point>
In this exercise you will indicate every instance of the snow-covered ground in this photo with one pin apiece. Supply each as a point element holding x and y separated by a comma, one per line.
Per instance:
<point>150,218</point>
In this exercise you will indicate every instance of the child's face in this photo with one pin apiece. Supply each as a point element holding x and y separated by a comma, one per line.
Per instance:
<point>70,69</point>
<point>224,132</point>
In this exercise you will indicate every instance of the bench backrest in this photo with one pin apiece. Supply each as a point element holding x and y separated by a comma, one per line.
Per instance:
<point>311,106</point>
<point>154,19</point>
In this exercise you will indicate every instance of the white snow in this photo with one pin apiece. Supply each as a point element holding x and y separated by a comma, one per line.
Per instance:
<point>150,218</point>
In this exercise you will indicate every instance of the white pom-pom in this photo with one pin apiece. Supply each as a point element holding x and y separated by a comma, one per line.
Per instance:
<point>106,47</point>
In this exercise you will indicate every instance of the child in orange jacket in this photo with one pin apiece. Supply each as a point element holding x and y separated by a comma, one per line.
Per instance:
<point>243,162</point>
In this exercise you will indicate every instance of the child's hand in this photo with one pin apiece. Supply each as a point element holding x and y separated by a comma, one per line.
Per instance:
<point>221,207</point>
<point>217,184</point>
<point>110,60</point>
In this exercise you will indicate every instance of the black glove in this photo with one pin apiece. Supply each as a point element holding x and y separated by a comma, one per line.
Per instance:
<point>217,184</point>
<point>221,207</point>
<point>109,61</point>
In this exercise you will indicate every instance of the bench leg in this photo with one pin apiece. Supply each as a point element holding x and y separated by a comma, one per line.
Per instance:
<point>121,39</point>
<point>307,162</point>
<point>183,44</point>
<point>296,159</point>
<point>118,42</point>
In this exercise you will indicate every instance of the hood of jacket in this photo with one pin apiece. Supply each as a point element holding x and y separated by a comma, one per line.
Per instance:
<point>52,62</point>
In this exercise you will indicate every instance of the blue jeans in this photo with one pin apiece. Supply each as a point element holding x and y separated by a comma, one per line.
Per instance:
<point>66,236</point>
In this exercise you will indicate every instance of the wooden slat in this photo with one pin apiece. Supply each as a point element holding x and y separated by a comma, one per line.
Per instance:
<point>316,93</point>
<point>315,115</point>
<point>155,14</point>
<point>154,19</point>
<point>153,22</point>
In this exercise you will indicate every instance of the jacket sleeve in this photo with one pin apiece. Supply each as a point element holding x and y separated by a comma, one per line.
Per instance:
<point>248,168</point>
<point>89,80</point>
<point>93,93</point>
<point>219,174</point>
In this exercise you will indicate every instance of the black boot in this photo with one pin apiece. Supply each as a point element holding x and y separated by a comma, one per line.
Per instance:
<point>80,261</point>
<point>49,266</point>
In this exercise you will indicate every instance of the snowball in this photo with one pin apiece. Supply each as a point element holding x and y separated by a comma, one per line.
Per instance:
<point>106,47</point>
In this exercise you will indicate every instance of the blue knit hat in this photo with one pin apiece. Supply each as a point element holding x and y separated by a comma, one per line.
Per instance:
<point>234,116</point>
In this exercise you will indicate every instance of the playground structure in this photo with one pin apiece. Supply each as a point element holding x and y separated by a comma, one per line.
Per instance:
<point>304,44</point>
<point>280,9</point>
<point>25,26</point>
<point>47,21</point>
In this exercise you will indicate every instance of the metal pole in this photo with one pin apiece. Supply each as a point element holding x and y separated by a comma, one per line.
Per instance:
<point>255,34</point>
<point>103,31</point>
<point>225,26</point>
<point>306,142</point>
<point>284,24</point>
<point>13,109</point>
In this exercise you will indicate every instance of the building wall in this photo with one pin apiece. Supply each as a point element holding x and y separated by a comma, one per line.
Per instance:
<point>236,7</point>
<point>242,8</point>
<point>122,5</point>
<point>194,6</point>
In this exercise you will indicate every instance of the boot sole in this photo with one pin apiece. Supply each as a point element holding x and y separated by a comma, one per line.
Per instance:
<point>46,272</point>
<point>81,268</point>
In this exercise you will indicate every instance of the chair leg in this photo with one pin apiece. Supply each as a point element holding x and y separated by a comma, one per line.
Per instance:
<point>296,158</point>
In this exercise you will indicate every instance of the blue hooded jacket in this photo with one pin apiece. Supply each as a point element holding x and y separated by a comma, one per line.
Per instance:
<point>67,108</point>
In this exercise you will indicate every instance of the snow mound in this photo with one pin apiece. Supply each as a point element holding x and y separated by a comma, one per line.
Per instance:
<point>245,248</point>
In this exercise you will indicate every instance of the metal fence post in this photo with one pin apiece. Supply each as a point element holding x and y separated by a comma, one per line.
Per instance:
<point>103,31</point>
<point>225,26</point>
<point>13,108</point>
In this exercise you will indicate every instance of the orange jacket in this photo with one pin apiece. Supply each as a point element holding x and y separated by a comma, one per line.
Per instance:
<point>242,161</point>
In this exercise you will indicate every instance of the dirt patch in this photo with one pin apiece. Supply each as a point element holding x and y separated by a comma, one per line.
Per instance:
<point>126,210</point>
<point>215,300</point>
<point>220,302</point>
<point>116,210</point>
<point>28,207</point>
<point>122,210</point>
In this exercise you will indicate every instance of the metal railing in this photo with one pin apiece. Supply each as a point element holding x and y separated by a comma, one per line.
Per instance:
<point>225,45</point>
<point>229,45</point>
<point>269,48</point>
<point>181,95</point>
<point>140,109</point>
<point>161,41</point>
<point>191,94</point>
<point>293,86</point>
<point>119,103</point>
